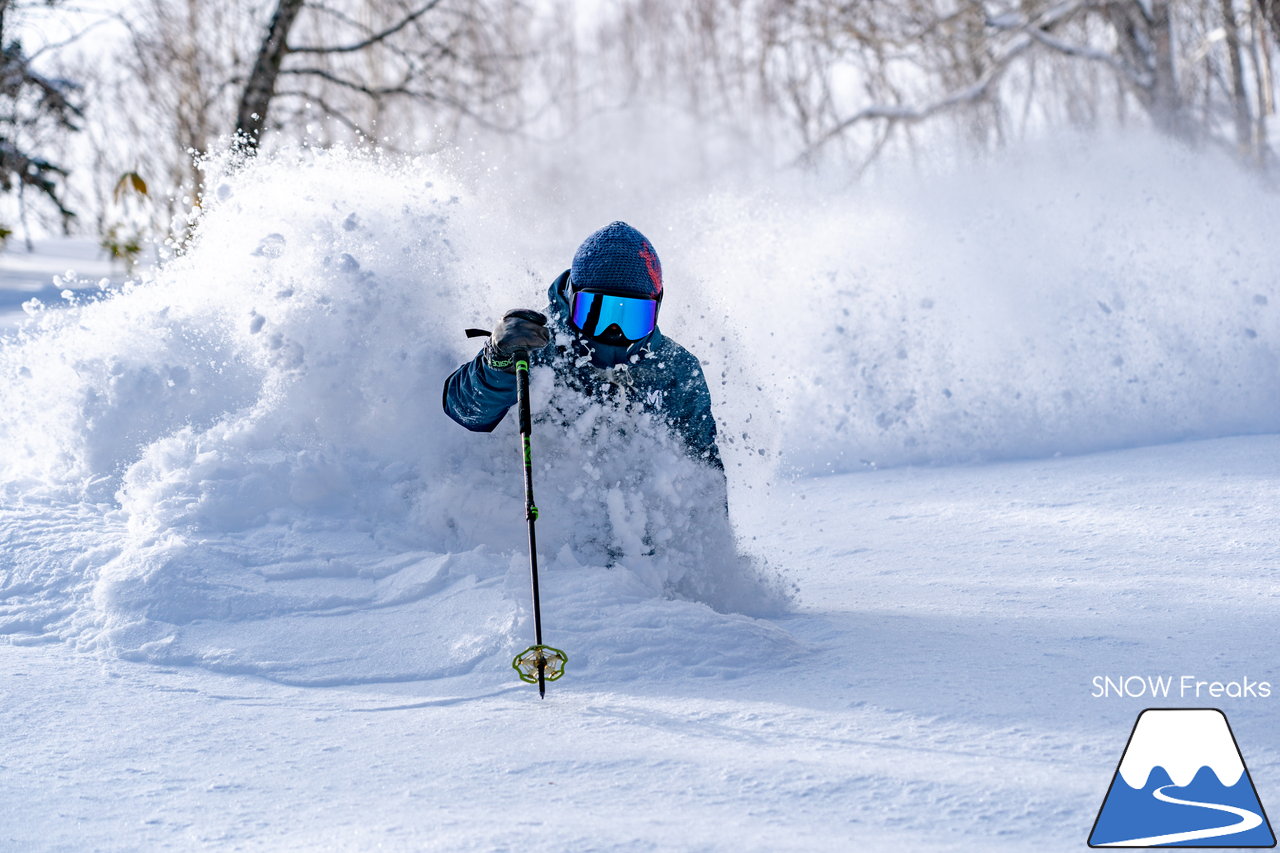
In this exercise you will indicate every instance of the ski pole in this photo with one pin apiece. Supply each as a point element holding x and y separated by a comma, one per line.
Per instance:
<point>547,662</point>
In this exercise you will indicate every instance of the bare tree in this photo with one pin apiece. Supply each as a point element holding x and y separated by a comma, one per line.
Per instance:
<point>1144,30</point>
<point>452,55</point>
<point>192,72</point>
<point>837,82</point>
<point>1137,41</point>
<point>1264,79</point>
<point>168,96</point>
<point>260,88</point>
<point>1241,109</point>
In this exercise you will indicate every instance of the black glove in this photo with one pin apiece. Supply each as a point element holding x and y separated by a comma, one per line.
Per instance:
<point>519,329</point>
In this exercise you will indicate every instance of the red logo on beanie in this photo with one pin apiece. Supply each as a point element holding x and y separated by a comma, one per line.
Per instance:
<point>653,266</point>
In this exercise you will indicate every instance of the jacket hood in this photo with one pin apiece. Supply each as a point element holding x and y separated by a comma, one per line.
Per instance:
<point>602,355</point>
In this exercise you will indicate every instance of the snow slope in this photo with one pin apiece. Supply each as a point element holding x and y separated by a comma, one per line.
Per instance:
<point>229,487</point>
<point>941,699</point>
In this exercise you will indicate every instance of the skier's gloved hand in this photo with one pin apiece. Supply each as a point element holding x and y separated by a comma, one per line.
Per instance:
<point>519,329</point>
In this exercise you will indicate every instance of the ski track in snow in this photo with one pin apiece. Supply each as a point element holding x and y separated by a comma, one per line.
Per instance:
<point>259,594</point>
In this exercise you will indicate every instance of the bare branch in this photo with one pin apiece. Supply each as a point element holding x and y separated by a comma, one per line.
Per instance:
<point>329,112</point>
<point>1040,30</point>
<point>898,114</point>
<point>371,91</point>
<point>398,90</point>
<point>72,39</point>
<point>1138,77</point>
<point>373,39</point>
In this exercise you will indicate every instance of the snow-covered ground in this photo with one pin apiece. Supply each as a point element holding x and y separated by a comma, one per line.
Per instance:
<point>939,695</point>
<point>260,594</point>
<point>52,267</point>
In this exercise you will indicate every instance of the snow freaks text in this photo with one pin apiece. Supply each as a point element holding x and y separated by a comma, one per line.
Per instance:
<point>1178,687</point>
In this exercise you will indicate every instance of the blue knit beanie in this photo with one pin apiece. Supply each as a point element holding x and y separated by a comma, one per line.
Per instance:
<point>617,259</point>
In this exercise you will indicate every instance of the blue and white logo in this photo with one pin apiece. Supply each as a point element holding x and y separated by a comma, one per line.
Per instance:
<point>1181,783</point>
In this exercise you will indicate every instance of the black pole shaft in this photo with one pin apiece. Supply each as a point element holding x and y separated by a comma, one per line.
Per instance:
<point>530,509</point>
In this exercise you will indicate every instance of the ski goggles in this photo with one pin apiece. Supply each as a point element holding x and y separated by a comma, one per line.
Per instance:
<point>593,314</point>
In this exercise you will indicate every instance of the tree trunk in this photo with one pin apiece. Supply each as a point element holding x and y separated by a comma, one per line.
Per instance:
<point>260,88</point>
<point>1271,8</point>
<point>1239,94</point>
<point>1145,41</point>
<point>1167,106</point>
<point>1265,79</point>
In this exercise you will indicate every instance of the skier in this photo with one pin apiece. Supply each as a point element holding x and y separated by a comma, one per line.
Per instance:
<point>607,302</point>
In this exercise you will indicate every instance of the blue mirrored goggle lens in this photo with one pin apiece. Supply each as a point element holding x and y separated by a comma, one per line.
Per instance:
<point>594,313</point>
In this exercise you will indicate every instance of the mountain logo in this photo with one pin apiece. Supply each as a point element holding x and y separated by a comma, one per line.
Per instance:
<point>1181,782</point>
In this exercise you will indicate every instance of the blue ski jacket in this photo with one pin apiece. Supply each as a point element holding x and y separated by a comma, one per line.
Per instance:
<point>666,380</point>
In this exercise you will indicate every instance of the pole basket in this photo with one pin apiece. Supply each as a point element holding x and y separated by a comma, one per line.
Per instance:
<point>526,663</point>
